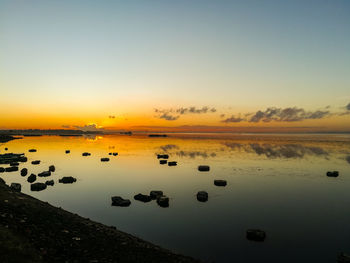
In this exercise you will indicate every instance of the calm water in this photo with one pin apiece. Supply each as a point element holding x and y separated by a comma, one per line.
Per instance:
<point>276,183</point>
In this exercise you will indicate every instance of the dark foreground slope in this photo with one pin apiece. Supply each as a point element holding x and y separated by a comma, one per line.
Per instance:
<point>35,231</point>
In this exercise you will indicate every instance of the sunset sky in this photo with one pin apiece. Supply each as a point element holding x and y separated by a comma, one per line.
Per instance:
<point>212,65</point>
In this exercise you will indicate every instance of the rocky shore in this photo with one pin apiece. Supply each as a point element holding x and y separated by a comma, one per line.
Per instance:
<point>35,231</point>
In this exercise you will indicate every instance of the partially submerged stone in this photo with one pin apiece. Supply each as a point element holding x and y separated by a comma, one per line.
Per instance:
<point>333,174</point>
<point>11,169</point>
<point>32,150</point>
<point>11,158</point>
<point>154,194</point>
<point>142,198</point>
<point>104,159</point>
<point>163,161</point>
<point>86,154</point>
<point>24,171</point>
<point>67,180</point>
<point>256,235</point>
<point>115,154</point>
<point>163,201</point>
<point>119,201</point>
<point>44,174</point>
<point>67,151</point>
<point>202,196</point>
<point>52,168</point>
<point>50,182</point>
<point>2,169</point>
<point>36,162</point>
<point>16,187</point>
<point>31,178</point>
<point>14,164</point>
<point>220,182</point>
<point>38,187</point>
<point>162,156</point>
<point>203,168</point>
<point>173,163</point>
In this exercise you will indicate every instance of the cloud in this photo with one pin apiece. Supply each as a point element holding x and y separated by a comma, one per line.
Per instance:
<point>89,127</point>
<point>233,119</point>
<point>66,126</point>
<point>168,117</point>
<point>111,117</point>
<point>174,114</point>
<point>287,115</point>
<point>194,110</point>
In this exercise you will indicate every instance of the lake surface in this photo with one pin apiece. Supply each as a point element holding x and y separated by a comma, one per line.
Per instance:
<point>276,183</point>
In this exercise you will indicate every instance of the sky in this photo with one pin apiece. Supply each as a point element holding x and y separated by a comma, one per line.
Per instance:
<point>175,65</point>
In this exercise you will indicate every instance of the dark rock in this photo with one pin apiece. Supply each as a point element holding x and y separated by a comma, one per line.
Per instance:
<point>172,163</point>
<point>157,135</point>
<point>202,196</point>
<point>14,164</point>
<point>32,150</point>
<point>155,194</point>
<point>31,178</point>
<point>110,154</point>
<point>2,169</point>
<point>52,168</point>
<point>67,151</point>
<point>44,174</point>
<point>2,181</point>
<point>203,168</point>
<point>11,169</point>
<point>142,198</point>
<point>119,201</point>
<point>163,201</point>
<point>115,154</point>
<point>23,159</point>
<point>50,182</point>
<point>67,180</point>
<point>86,154</point>
<point>104,159</point>
<point>38,187</point>
<point>36,162</point>
<point>24,171</point>
<point>163,161</point>
<point>162,156</point>
<point>333,174</point>
<point>6,138</point>
<point>6,149</point>
<point>9,158</point>
<point>343,258</point>
<point>16,187</point>
<point>220,182</point>
<point>256,235</point>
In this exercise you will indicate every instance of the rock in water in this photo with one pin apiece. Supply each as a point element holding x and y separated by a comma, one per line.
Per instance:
<point>220,182</point>
<point>333,174</point>
<point>155,194</point>
<point>256,235</point>
<point>104,159</point>
<point>162,156</point>
<point>67,151</point>
<point>142,198</point>
<point>172,163</point>
<point>24,171</point>
<point>119,201</point>
<point>67,180</point>
<point>50,182</point>
<point>163,161</point>
<point>16,187</point>
<point>163,201</point>
<point>38,187</point>
<point>32,150</point>
<point>44,174</point>
<point>202,196</point>
<point>2,181</point>
<point>31,178</point>
<point>115,154</point>
<point>86,154</point>
<point>2,169</point>
<point>36,162</point>
<point>203,168</point>
<point>52,168</point>
<point>11,169</point>
<point>14,164</point>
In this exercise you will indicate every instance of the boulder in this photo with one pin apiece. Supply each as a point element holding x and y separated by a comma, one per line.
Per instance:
<point>31,178</point>
<point>38,187</point>
<point>2,169</point>
<point>44,174</point>
<point>24,171</point>
<point>14,164</point>
<point>110,154</point>
<point>203,168</point>
<point>11,169</point>
<point>220,182</point>
<point>155,194</point>
<point>119,201</point>
<point>50,182</point>
<point>256,235</point>
<point>163,201</point>
<point>172,163</point>
<point>104,159</point>
<point>163,161</point>
<point>333,174</point>
<point>6,149</point>
<point>162,156</point>
<point>52,168</point>
<point>32,150</point>
<point>36,162</point>
<point>142,198</point>
<point>202,196</point>
<point>67,180</point>
<point>67,151</point>
<point>115,154</point>
<point>86,154</point>
<point>16,187</point>
<point>343,258</point>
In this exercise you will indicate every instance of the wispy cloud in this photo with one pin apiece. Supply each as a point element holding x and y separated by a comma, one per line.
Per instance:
<point>233,119</point>
<point>174,114</point>
<point>111,117</point>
